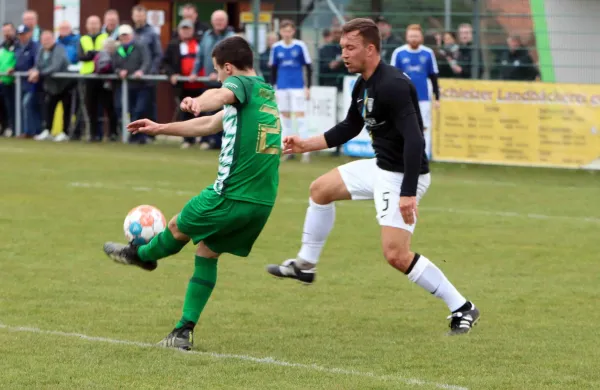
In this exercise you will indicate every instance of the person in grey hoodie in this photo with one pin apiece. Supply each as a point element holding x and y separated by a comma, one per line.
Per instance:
<point>53,58</point>
<point>132,60</point>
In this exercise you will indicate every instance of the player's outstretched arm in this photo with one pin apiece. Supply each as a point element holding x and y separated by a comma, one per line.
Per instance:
<point>196,127</point>
<point>296,145</point>
<point>212,100</point>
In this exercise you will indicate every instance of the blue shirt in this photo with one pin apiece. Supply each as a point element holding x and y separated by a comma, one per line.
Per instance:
<point>290,61</point>
<point>418,64</point>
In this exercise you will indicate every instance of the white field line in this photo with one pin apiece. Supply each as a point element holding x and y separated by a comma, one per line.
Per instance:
<point>224,356</point>
<point>491,213</point>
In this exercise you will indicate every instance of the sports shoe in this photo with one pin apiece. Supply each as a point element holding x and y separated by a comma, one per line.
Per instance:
<point>462,321</point>
<point>289,269</point>
<point>43,136</point>
<point>181,338</point>
<point>127,254</point>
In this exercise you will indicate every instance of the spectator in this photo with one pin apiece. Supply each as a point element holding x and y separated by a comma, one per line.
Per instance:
<point>69,41</point>
<point>103,64</point>
<point>466,57</point>
<point>90,45</point>
<point>220,30</point>
<point>265,70</point>
<point>132,59</point>
<point>145,35</point>
<point>179,60</point>
<point>389,42</point>
<point>53,58</point>
<point>448,54</point>
<point>517,64</point>
<point>331,66</point>
<point>111,24</point>
<point>26,54</point>
<point>8,61</point>
<point>30,19</point>
<point>189,12</point>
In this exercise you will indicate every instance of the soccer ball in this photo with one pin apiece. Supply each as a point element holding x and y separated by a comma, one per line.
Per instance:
<point>142,223</point>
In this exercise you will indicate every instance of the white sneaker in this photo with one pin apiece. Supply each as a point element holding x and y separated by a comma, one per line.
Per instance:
<point>44,135</point>
<point>305,157</point>
<point>204,146</point>
<point>61,137</point>
<point>8,133</point>
<point>185,145</point>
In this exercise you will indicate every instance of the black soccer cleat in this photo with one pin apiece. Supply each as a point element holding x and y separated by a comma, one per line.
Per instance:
<point>180,338</point>
<point>289,269</point>
<point>463,320</point>
<point>127,254</point>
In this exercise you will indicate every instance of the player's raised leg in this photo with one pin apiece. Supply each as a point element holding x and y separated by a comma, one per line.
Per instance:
<point>396,237</point>
<point>167,243</point>
<point>350,181</point>
<point>198,292</point>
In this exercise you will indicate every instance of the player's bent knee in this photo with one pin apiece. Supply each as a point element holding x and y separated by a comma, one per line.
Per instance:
<point>178,235</point>
<point>206,252</point>
<point>398,257</point>
<point>329,188</point>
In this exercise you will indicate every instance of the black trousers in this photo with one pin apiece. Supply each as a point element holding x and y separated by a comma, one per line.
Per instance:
<point>99,98</point>
<point>51,101</point>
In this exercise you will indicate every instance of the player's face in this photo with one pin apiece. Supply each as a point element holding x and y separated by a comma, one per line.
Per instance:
<point>414,38</point>
<point>354,51</point>
<point>287,33</point>
<point>222,72</point>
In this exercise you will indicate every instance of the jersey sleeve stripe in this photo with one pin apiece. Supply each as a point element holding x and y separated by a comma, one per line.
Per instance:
<point>305,52</point>
<point>433,60</point>
<point>395,56</point>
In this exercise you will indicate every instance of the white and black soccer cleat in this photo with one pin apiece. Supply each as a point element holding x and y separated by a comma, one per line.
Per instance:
<point>289,269</point>
<point>127,254</point>
<point>463,320</point>
<point>180,338</point>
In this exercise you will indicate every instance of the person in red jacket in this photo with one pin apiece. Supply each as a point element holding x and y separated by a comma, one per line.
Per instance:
<point>179,61</point>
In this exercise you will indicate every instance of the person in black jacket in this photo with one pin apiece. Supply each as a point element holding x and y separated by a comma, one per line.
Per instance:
<point>179,61</point>
<point>467,54</point>
<point>331,66</point>
<point>516,62</point>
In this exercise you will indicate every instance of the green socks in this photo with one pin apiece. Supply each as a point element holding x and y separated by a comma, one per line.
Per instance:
<point>199,289</point>
<point>161,246</point>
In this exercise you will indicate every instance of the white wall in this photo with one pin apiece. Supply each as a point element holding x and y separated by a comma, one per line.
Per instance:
<point>11,11</point>
<point>574,34</point>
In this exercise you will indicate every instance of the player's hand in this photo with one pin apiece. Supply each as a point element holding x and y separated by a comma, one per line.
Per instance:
<point>307,93</point>
<point>145,126</point>
<point>408,209</point>
<point>186,104</point>
<point>196,109</point>
<point>293,145</point>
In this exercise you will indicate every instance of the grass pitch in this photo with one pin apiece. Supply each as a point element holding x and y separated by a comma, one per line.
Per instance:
<point>522,243</point>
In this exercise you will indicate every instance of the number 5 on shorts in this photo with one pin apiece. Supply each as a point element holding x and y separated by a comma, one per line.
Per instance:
<point>265,129</point>
<point>386,198</point>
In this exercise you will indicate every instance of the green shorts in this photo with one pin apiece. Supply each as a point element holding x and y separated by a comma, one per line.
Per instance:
<point>225,225</point>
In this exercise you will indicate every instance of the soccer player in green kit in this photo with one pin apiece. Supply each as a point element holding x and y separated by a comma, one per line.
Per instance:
<point>228,215</point>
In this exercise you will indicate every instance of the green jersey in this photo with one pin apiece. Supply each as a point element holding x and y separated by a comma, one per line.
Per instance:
<point>251,148</point>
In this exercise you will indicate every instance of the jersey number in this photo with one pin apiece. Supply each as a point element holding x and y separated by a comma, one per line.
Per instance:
<point>385,196</point>
<point>264,130</point>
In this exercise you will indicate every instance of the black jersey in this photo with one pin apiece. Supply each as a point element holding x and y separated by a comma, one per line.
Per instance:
<point>387,104</point>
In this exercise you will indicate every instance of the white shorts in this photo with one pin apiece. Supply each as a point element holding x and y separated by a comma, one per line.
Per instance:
<point>365,180</point>
<point>291,100</point>
<point>425,108</point>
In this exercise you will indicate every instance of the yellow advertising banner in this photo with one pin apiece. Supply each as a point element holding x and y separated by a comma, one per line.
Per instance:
<point>518,123</point>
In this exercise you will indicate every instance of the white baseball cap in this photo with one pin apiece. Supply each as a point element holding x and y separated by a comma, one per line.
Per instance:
<point>125,29</point>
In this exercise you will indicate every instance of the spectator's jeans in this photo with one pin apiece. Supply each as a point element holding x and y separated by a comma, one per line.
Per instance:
<point>32,117</point>
<point>8,97</point>
<point>139,99</point>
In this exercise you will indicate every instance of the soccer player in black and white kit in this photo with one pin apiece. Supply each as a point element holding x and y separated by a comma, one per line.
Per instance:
<point>385,100</point>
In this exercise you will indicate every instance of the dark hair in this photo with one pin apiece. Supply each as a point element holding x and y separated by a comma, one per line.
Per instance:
<point>326,32</point>
<point>451,33</point>
<point>8,24</point>
<point>235,51</point>
<point>366,28</point>
<point>190,5</point>
<point>287,23</point>
<point>139,8</point>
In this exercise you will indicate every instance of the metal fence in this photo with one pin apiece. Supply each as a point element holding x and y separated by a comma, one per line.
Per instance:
<point>81,77</point>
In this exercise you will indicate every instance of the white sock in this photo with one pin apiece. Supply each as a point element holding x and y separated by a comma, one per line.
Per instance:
<point>286,127</point>
<point>432,279</point>
<point>317,226</point>
<point>301,124</point>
